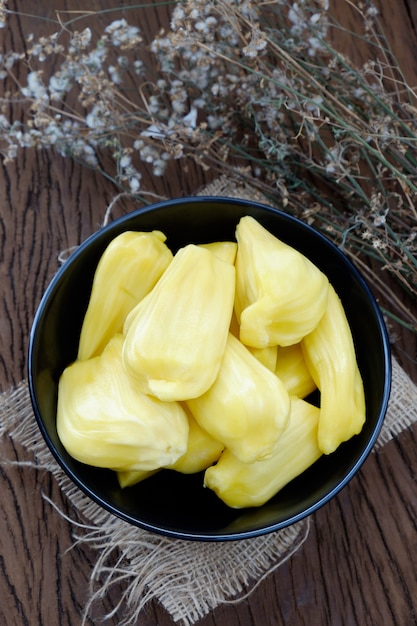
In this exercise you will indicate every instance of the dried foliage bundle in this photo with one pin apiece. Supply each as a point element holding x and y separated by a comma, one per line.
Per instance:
<point>252,88</point>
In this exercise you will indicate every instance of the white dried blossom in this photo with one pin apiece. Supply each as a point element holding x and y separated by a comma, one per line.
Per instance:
<point>211,21</point>
<point>26,139</point>
<point>215,89</point>
<point>161,45</point>
<point>372,11</point>
<point>296,15</point>
<point>178,14</point>
<point>134,184</point>
<point>138,67</point>
<point>7,62</point>
<point>123,35</point>
<point>190,119</point>
<point>127,170</point>
<point>89,156</point>
<point>115,75</point>
<point>257,43</point>
<point>45,47</point>
<point>94,60</point>
<point>79,41</point>
<point>80,149</point>
<point>156,132</point>
<point>97,118</point>
<point>153,105</point>
<point>315,18</point>
<point>149,154</point>
<point>52,134</point>
<point>201,26</point>
<point>159,167</point>
<point>11,152</point>
<point>125,161</point>
<point>138,144</point>
<point>215,122</point>
<point>178,106</point>
<point>35,88</point>
<point>314,45</point>
<point>59,85</point>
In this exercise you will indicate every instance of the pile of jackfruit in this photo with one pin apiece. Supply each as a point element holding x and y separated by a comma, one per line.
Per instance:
<point>204,361</point>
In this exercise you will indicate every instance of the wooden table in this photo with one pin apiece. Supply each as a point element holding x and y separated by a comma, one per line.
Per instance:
<point>358,566</point>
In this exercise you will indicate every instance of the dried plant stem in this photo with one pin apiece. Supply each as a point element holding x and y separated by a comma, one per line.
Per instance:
<point>254,89</point>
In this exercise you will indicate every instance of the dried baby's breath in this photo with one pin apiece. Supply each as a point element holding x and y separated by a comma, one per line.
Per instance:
<point>239,86</point>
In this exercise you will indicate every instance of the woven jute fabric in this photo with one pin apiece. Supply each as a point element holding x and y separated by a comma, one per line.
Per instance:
<point>188,578</point>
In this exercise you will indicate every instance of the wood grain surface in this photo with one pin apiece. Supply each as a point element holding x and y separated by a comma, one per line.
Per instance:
<point>358,566</point>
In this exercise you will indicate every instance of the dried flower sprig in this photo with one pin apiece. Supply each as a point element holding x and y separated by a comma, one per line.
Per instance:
<point>252,88</point>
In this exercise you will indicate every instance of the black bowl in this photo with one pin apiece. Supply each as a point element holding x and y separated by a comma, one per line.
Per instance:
<point>173,504</point>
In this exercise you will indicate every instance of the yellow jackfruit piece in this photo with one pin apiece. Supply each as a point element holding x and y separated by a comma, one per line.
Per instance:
<point>280,294</point>
<point>128,269</point>
<point>103,421</point>
<point>267,356</point>
<point>246,408</point>
<point>128,477</point>
<point>330,355</point>
<point>292,369</point>
<point>202,449</point>
<point>242,485</point>
<point>225,250</point>
<point>177,334</point>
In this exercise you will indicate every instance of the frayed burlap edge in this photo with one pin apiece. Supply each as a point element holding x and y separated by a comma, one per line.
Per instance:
<point>188,578</point>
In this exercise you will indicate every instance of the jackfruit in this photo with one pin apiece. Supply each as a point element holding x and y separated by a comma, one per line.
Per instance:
<point>242,485</point>
<point>202,449</point>
<point>267,356</point>
<point>246,408</point>
<point>128,269</point>
<point>292,370</point>
<point>103,421</point>
<point>128,477</point>
<point>280,294</point>
<point>225,250</point>
<point>330,355</point>
<point>176,336</point>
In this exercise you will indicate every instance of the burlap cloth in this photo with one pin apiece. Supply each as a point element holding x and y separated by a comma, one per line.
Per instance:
<point>188,578</point>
